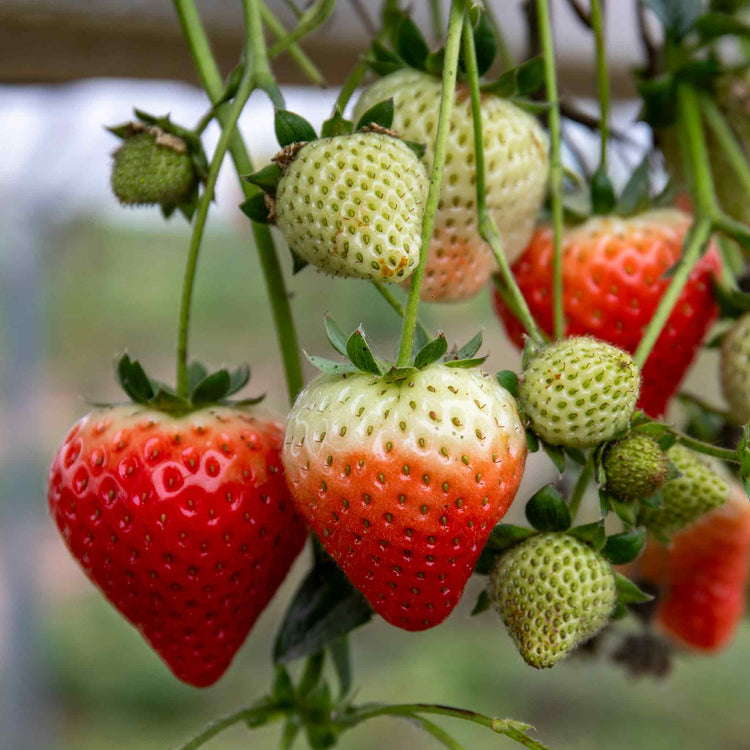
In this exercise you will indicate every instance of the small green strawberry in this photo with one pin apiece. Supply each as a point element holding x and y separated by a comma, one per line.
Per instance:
<point>352,205</point>
<point>153,167</point>
<point>635,468</point>
<point>579,392</point>
<point>688,497</point>
<point>553,592</point>
<point>515,144</point>
<point>735,368</point>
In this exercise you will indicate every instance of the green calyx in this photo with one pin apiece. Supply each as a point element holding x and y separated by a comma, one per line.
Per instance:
<point>359,356</point>
<point>635,468</point>
<point>158,163</point>
<point>206,389</point>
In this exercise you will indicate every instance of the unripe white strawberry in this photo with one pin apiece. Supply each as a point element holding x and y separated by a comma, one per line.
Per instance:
<point>553,592</point>
<point>579,392</point>
<point>735,368</point>
<point>517,166</point>
<point>688,497</point>
<point>352,205</point>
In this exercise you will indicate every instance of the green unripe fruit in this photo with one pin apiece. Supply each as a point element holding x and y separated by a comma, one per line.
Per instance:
<point>152,167</point>
<point>635,468</point>
<point>553,592</point>
<point>696,492</point>
<point>579,392</point>
<point>735,368</point>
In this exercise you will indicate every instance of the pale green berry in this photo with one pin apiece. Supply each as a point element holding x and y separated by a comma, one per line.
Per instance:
<point>735,368</point>
<point>635,467</point>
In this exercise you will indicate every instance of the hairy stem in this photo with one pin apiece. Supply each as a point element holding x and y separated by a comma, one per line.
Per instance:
<point>580,487</point>
<point>602,78</point>
<point>217,727</point>
<point>708,449</point>
<point>387,295</point>
<point>487,226</point>
<point>436,16</point>
<point>695,240</point>
<point>555,166</point>
<point>450,72</point>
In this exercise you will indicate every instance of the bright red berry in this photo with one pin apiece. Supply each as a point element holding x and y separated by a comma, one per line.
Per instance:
<point>184,523</point>
<point>613,277</point>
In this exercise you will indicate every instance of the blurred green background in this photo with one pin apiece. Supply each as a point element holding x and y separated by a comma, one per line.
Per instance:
<point>110,288</point>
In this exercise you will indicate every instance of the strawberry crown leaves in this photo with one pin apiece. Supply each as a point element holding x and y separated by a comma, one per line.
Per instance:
<point>356,349</point>
<point>205,388</point>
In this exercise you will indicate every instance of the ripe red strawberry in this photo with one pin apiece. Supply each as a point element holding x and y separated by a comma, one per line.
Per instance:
<point>184,522</point>
<point>403,480</point>
<point>708,572</point>
<point>613,275</point>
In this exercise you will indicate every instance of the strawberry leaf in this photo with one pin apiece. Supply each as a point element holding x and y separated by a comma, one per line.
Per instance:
<point>501,538</point>
<point>358,351</point>
<point>713,25</point>
<point>556,454</point>
<point>212,388</point>
<point>471,347</point>
<point>485,44</point>
<point>509,380</point>
<point>291,128</point>
<point>238,379</point>
<point>547,510</point>
<point>329,367</point>
<point>418,149</point>
<point>410,44</point>
<point>465,363</point>
<point>380,114</point>
<point>267,179</point>
<point>628,592</point>
<point>166,400</point>
<point>592,534</point>
<point>636,195</point>
<point>339,651</point>
<point>382,60</point>
<point>431,352</point>
<point>324,608</point>
<point>532,442</point>
<point>626,512</point>
<point>256,209</point>
<point>602,193</point>
<point>196,372</point>
<point>336,125</point>
<point>522,80</point>
<point>133,380</point>
<point>336,337</point>
<point>625,547</point>
<point>483,603</point>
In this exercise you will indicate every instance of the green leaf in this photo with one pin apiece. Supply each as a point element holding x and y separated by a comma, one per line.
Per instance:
<point>329,367</point>
<point>166,400</point>
<point>471,347</point>
<point>636,195</point>
<point>602,193</point>
<point>625,547</point>
<point>530,76</point>
<point>626,512</point>
<point>592,534</point>
<point>507,535</point>
<point>711,26</point>
<point>336,337</point>
<point>256,209</point>
<point>483,603</point>
<point>556,455</point>
<point>238,379</point>
<point>283,687</point>
<point>431,352</point>
<point>396,374</point>
<point>485,44</point>
<point>733,302</point>
<point>605,502</point>
<point>212,388</point>
<point>196,373</point>
<point>659,100</point>
<point>291,128</point>
<point>628,592</point>
<point>419,149</point>
<point>575,455</point>
<point>358,351</point>
<point>547,510</point>
<point>267,179</point>
<point>410,44</point>
<point>435,61</point>
<point>379,114</point>
<point>677,16</point>
<point>311,674</point>
<point>509,380</point>
<point>336,125</point>
<point>532,442</point>
<point>298,263</point>
<point>382,60</point>
<point>324,608</point>
<point>133,380</point>
<point>339,651</point>
<point>465,363</point>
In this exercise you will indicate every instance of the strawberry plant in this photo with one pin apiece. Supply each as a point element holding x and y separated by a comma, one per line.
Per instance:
<point>186,506</point>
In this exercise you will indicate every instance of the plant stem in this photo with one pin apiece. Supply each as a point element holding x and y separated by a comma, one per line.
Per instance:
<point>436,15</point>
<point>217,727</point>
<point>728,142</point>
<point>602,77</point>
<point>580,487</point>
<point>437,732</point>
<point>308,22</point>
<point>210,78</point>
<point>350,85</point>
<point>247,84</point>
<point>725,454</point>
<point>499,726</point>
<point>555,165</point>
<point>450,72</point>
<point>386,294</point>
<point>695,240</point>
<point>305,64</point>
<point>487,226</point>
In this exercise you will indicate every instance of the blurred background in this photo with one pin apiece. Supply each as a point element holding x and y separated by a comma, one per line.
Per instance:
<point>82,279</point>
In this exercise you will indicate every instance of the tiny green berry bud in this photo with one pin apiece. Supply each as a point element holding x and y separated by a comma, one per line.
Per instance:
<point>635,467</point>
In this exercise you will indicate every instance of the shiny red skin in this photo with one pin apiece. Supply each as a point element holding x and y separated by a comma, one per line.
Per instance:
<point>185,525</point>
<point>612,285</point>
<point>708,572</point>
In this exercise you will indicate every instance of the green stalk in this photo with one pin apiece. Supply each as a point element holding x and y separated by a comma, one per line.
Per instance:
<point>305,64</point>
<point>728,142</point>
<point>487,226</point>
<point>386,294</point>
<point>436,15</point>
<point>217,727</point>
<point>450,72</point>
<point>350,86</point>
<point>602,78</point>
<point>308,22</point>
<point>211,80</point>
<point>555,166</point>
<point>725,454</point>
<point>247,84</point>
<point>695,240</point>
<point>580,487</point>
<point>437,732</point>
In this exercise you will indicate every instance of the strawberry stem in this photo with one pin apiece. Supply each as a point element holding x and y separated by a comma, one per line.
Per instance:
<point>450,72</point>
<point>210,78</point>
<point>580,487</point>
<point>556,165</point>
<point>602,77</point>
<point>217,727</point>
<point>387,295</point>
<point>487,226</point>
